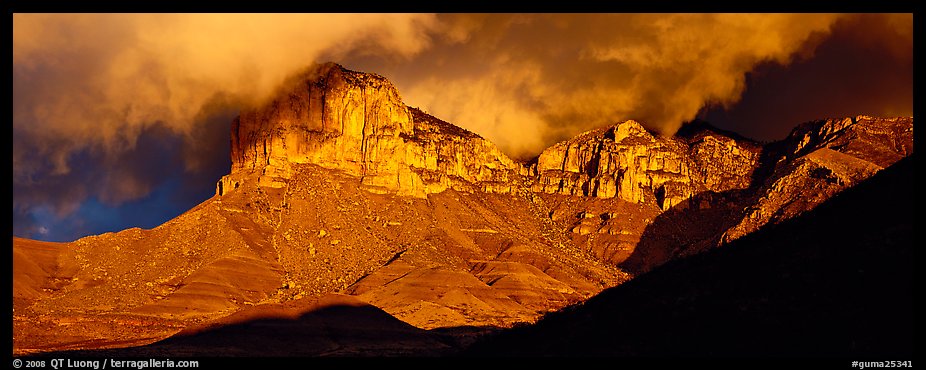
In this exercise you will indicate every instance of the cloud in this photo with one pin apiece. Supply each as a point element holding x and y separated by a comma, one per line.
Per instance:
<point>92,85</point>
<point>100,78</point>
<point>863,67</point>
<point>526,81</point>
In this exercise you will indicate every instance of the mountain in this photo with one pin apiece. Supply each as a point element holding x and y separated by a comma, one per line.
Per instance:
<point>357,123</point>
<point>340,192</point>
<point>835,282</point>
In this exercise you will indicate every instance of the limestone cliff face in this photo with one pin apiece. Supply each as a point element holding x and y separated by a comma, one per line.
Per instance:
<point>722,163</point>
<point>628,162</point>
<point>623,161</point>
<point>357,123</point>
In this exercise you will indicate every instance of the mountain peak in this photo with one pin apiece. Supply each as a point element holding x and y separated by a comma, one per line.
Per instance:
<point>698,129</point>
<point>356,122</point>
<point>627,129</point>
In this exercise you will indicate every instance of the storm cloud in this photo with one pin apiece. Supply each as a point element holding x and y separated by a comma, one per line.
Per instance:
<point>526,81</point>
<point>89,89</point>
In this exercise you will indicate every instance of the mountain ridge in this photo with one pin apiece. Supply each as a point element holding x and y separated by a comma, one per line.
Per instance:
<point>800,288</point>
<point>339,187</point>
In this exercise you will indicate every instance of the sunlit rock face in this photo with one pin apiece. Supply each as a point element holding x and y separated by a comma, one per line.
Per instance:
<point>357,123</point>
<point>628,162</point>
<point>623,161</point>
<point>721,163</point>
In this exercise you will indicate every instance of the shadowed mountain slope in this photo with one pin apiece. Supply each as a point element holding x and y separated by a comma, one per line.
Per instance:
<point>836,281</point>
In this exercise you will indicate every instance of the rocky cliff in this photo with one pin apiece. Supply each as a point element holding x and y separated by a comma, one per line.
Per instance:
<point>357,123</point>
<point>629,162</point>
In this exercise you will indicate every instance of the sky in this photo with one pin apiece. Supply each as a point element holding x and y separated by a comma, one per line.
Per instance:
<point>122,120</point>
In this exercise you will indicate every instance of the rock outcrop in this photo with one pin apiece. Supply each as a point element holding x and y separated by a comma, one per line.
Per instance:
<point>881,141</point>
<point>721,162</point>
<point>623,161</point>
<point>820,159</point>
<point>628,162</point>
<point>357,123</point>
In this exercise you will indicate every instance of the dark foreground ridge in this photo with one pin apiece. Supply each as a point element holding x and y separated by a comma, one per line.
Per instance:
<point>836,282</point>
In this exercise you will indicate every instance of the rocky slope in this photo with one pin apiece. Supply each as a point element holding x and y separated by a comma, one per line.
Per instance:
<point>820,159</point>
<point>835,282</point>
<point>337,187</point>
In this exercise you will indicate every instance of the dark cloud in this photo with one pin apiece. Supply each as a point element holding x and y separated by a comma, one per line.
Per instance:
<point>110,180</point>
<point>143,186</point>
<point>526,81</point>
<point>112,110</point>
<point>865,67</point>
